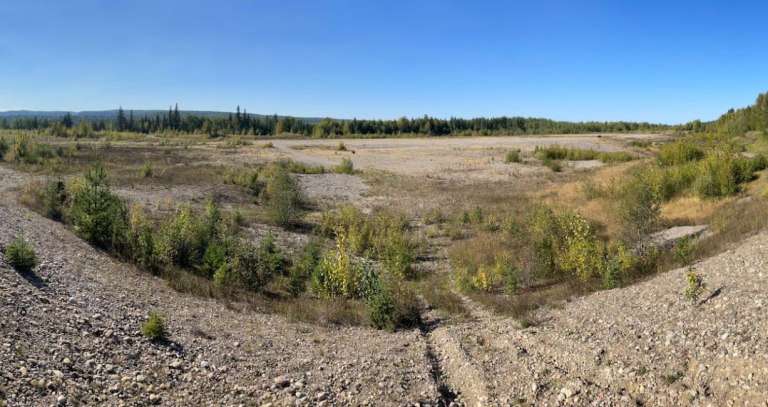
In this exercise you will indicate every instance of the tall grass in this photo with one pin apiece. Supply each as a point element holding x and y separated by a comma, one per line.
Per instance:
<point>576,154</point>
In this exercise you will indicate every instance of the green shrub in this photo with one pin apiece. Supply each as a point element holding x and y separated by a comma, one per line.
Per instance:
<point>513,156</point>
<point>338,275</point>
<point>382,235</point>
<point>553,165</point>
<point>346,166</point>
<point>20,149</point>
<point>146,170</point>
<point>554,153</point>
<point>97,215</point>
<point>680,152</point>
<point>178,239</point>
<point>213,259</point>
<point>53,199</point>
<point>434,216</point>
<point>640,206</point>
<point>393,305</point>
<point>20,254</point>
<point>154,328</point>
<point>341,146</point>
<point>304,266</point>
<point>685,251</point>
<point>3,148</point>
<point>640,143</point>
<point>251,267</point>
<point>475,216</point>
<point>245,178</point>
<point>141,239</point>
<point>284,198</point>
<point>695,285</point>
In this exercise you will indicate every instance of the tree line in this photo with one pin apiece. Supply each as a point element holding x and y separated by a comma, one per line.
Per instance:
<point>736,122</point>
<point>241,123</point>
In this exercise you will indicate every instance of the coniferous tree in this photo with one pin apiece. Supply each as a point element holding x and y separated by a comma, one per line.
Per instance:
<point>122,123</point>
<point>176,118</point>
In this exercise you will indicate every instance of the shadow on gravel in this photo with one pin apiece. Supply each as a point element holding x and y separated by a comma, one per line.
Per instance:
<point>713,295</point>
<point>447,396</point>
<point>33,279</point>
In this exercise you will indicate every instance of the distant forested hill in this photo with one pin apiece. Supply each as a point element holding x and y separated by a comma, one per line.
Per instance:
<point>111,115</point>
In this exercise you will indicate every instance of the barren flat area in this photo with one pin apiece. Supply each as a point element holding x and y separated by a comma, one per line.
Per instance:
<point>438,155</point>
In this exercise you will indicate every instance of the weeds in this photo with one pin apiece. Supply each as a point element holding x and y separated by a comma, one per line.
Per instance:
<point>513,156</point>
<point>146,170</point>
<point>346,166</point>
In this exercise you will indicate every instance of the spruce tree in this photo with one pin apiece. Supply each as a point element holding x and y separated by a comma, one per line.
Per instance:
<point>121,121</point>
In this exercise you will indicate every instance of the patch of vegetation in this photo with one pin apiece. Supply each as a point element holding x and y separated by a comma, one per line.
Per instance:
<point>695,286</point>
<point>97,215</point>
<point>346,166</point>
<point>555,153</point>
<point>674,377</point>
<point>284,198</point>
<point>20,254</point>
<point>680,152</point>
<point>146,170</point>
<point>640,143</point>
<point>553,165</point>
<point>382,236</point>
<point>154,328</point>
<point>513,156</point>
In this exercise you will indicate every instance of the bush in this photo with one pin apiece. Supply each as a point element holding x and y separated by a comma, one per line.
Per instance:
<point>679,153</point>
<point>3,148</point>
<point>685,251</point>
<point>553,165</point>
<point>554,153</point>
<point>695,286</point>
<point>146,170</point>
<point>154,328</point>
<point>245,178</point>
<point>20,254</point>
<point>97,215</point>
<point>513,157</point>
<point>383,236</point>
<point>53,199</point>
<point>178,239</point>
<point>284,198</point>
<point>337,274</point>
<point>141,239</point>
<point>346,166</point>
<point>213,259</point>
<point>304,266</point>
<point>250,267</point>
<point>393,305</point>
<point>640,206</point>
<point>341,146</point>
<point>434,216</point>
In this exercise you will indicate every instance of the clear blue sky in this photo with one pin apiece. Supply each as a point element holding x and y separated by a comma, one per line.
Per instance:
<point>657,61</point>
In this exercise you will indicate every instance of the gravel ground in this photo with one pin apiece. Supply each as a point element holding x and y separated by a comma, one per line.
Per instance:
<point>70,334</point>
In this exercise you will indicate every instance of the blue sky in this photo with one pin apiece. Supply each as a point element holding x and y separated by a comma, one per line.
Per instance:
<point>657,61</point>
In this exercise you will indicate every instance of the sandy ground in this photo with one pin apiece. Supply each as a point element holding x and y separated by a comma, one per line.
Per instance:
<point>434,156</point>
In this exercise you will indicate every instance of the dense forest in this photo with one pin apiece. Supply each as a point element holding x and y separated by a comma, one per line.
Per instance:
<point>734,122</point>
<point>247,124</point>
